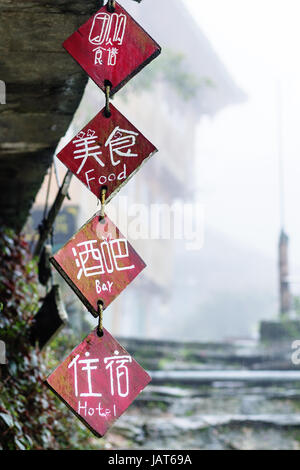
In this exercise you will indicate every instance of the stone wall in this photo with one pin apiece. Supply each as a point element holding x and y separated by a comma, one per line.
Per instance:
<point>43,88</point>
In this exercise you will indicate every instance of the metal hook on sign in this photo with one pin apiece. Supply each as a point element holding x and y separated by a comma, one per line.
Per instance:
<point>100,319</point>
<point>111,6</point>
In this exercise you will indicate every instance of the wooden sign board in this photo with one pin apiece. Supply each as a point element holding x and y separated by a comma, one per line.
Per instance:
<point>112,48</point>
<point>107,152</point>
<point>98,381</point>
<point>98,263</point>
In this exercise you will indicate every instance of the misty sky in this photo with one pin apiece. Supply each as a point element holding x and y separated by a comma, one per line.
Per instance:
<point>258,41</point>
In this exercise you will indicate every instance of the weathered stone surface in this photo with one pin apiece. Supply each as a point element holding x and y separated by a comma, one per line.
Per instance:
<point>220,415</point>
<point>272,331</point>
<point>43,86</point>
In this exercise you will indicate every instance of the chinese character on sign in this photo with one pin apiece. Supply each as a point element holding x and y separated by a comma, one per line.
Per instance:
<point>85,145</point>
<point>98,263</point>
<point>106,153</point>
<point>107,30</point>
<point>98,381</point>
<point>88,367</point>
<point>89,254</point>
<point>112,47</point>
<point>93,262</point>
<point>112,56</point>
<point>119,373</point>
<point>118,141</point>
<point>98,55</point>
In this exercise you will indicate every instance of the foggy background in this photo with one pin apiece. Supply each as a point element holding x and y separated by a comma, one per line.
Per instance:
<point>227,88</point>
<point>215,327</point>
<point>238,168</point>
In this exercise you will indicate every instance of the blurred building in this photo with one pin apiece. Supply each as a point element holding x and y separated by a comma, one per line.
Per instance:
<point>165,102</point>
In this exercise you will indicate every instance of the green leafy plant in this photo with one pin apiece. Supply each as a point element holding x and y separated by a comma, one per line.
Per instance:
<point>31,417</point>
<point>171,69</point>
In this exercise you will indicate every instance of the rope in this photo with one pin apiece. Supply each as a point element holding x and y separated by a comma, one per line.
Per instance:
<point>111,6</point>
<point>107,95</point>
<point>100,319</point>
<point>103,195</point>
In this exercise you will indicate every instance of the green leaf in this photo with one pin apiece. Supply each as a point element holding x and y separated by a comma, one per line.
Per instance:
<point>19,444</point>
<point>7,419</point>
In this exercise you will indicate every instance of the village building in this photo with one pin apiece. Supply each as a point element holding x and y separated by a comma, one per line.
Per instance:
<point>166,102</point>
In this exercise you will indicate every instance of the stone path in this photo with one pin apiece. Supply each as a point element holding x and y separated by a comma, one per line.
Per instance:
<point>212,414</point>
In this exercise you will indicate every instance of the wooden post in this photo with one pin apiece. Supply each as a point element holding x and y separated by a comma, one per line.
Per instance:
<point>49,221</point>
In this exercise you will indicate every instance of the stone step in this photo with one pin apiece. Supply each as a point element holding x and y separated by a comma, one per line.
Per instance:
<point>212,396</point>
<point>153,354</point>
<point>210,431</point>
<point>192,377</point>
<point>219,401</point>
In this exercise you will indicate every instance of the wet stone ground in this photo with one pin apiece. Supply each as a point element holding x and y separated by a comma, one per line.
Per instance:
<point>213,415</point>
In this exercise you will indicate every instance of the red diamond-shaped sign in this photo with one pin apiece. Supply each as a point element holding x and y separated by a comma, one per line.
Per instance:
<point>98,263</point>
<point>98,381</point>
<point>112,48</point>
<point>106,153</point>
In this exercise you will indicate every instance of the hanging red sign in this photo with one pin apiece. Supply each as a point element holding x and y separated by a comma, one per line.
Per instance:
<point>107,153</point>
<point>98,381</point>
<point>98,263</point>
<point>111,47</point>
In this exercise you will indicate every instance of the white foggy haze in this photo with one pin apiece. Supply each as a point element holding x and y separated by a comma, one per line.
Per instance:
<point>258,41</point>
<point>231,283</point>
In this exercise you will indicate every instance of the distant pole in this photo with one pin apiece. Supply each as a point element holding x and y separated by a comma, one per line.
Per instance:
<point>280,159</point>
<point>284,287</point>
